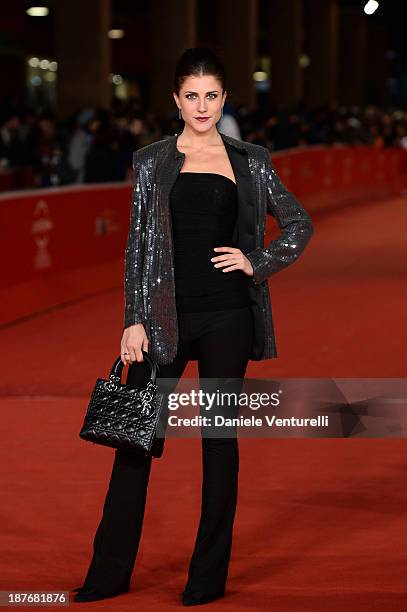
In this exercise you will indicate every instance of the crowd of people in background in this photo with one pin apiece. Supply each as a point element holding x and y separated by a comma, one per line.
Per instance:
<point>96,145</point>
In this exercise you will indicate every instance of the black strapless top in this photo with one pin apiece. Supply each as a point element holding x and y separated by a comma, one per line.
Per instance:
<point>204,212</point>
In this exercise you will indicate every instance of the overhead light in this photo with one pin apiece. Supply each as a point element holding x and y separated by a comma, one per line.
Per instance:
<point>37,11</point>
<point>260,75</point>
<point>115,33</point>
<point>304,60</point>
<point>371,7</point>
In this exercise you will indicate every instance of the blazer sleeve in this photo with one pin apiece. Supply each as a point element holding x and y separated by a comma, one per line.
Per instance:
<point>295,224</point>
<point>133,288</point>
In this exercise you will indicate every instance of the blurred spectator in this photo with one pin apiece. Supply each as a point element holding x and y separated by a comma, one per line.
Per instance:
<point>78,145</point>
<point>126,140</point>
<point>100,163</point>
<point>228,124</point>
<point>48,150</point>
<point>12,150</point>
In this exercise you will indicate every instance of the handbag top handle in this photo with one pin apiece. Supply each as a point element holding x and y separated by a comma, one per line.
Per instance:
<point>118,365</point>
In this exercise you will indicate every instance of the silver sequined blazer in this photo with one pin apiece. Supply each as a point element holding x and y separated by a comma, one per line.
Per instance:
<point>149,289</point>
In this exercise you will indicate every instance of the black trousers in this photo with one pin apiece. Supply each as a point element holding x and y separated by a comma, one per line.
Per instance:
<point>223,341</point>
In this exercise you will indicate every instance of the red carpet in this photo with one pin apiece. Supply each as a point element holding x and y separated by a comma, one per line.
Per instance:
<point>321,524</point>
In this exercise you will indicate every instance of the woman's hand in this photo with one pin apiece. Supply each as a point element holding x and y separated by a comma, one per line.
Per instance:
<point>134,340</point>
<point>234,259</point>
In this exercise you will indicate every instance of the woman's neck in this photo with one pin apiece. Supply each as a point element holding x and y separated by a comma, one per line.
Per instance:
<point>194,140</point>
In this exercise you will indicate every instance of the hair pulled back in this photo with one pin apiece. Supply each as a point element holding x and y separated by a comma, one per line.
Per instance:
<point>198,61</point>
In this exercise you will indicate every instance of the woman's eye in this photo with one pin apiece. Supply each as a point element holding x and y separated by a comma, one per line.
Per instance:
<point>212,96</point>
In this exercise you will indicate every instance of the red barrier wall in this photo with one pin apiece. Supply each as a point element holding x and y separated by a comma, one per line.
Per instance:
<point>324,178</point>
<point>62,244</point>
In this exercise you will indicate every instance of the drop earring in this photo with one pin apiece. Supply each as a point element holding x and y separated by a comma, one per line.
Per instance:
<point>179,113</point>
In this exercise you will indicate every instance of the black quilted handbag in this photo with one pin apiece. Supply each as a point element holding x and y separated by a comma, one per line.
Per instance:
<point>123,416</point>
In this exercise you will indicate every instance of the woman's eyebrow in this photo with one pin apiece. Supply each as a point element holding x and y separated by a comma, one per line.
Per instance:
<point>212,91</point>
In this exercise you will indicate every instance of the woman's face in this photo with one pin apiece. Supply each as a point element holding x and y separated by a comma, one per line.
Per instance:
<point>200,97</point>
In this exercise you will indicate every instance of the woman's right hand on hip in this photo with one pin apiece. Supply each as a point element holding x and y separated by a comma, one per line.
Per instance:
<point>134,340</point>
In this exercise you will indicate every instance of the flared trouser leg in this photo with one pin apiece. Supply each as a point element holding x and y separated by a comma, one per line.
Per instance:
<point>224,351</point>
<point>118,535</point>
<point>209,565</point>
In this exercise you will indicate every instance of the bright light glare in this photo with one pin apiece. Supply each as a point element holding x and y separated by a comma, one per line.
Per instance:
<point>259,75</point>
<point>37,11</point>
<point>115,33</point>
<point>371,7</point>
<point>304,60</point>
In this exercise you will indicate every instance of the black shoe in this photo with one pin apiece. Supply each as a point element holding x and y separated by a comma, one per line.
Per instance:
<point>191,598</point>
<point>83,594</point>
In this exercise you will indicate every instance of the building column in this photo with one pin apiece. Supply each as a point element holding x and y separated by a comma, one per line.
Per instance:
<point>173,31</point>
<point>285,48</point>
<point>12,53</point>
<point>352,56</point>
<point>237,44</point>
<point>377,44</point>
<point>83,53</point>
<point>320,77</point>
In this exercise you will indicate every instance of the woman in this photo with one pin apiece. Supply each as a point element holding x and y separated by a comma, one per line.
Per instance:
<point>195,288</point>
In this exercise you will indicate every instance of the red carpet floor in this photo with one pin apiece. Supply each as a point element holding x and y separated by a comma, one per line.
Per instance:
<point>321,524</point>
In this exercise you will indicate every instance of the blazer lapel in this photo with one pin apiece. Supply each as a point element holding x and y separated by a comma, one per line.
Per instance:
<point>244,233</point>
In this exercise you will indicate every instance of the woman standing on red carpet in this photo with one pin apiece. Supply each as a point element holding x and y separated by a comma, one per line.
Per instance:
<point>196,287</point>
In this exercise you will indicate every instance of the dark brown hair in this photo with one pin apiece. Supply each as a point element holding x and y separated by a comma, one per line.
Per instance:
<point>198,61</point>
